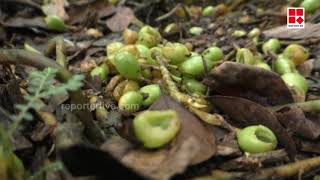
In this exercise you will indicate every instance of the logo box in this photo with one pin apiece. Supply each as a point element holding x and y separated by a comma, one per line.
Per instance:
<point>295,17</point>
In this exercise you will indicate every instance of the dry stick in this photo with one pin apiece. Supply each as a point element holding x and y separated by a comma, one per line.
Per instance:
<point>17,56</point>
<point>310,106</point>
<point>287,170</point>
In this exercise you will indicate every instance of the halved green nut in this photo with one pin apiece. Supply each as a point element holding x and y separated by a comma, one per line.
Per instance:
<point>256,139</point>
<point>272,45</point>
<point>127,65</point>
<point>149,36</point>
<point>208,11</point>
<point>213,54</point>
<point>245,56</point>
<point>154,129</point>
<point>130,101</point>
<point>297,53</point>
<point>284,65</point>
<point>101,71</point>
<point>55,22</point>
<point>176,53</point>
<point>153,92</point>
<point>296,80</point>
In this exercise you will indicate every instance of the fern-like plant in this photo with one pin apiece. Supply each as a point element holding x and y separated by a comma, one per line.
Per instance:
<point>41,87</point>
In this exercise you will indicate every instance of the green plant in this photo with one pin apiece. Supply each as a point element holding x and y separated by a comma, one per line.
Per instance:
<point>193,86</point>
<point>55,22</point>
<point>153,92</point>
<point>208,11</point>
<point>102,71</point>
<point>212,54</point>
<point>127,65</point>
<point>149,36</point>
<point>310,5</point>
<point>42,86</point>
<point>156,128</point>
<point>130,101</point>
<point>272,45</point>
<point>245,56</point>
<point>175,52</point>
<point>284,65</point>
<point>296,80</point>
<point>297,53</point>
<point>256,139</point>
<point>194,66</point>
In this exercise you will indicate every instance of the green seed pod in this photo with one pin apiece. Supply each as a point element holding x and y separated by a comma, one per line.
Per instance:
<point>149,36</point>
<point>263,66</point>
<point>297,53</point>
<point>245,56</point>
<point>196,31</point>
<point>212,54</point>
<point>102,71</point>
<point>255,32</point>
<point>310,5</point>
<point>55,23</point>
<point>146,73</point>
<point>195,87</point>
<point>127,65</point>
<point>130,101</point>
<point>296,80</point>
<point>284,65</point>
<point>176,53</point>
<point>256,139</point>
<point>112,49</point>
<point>208,11</point>
<point>272,45</point>
<point>239,33</point>
<point>153,92</point>
<point>194,66</point>
<point>101,113</point>
<point>156,128</point>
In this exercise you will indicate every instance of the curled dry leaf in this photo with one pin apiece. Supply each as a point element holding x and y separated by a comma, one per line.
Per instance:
<point>250,82</point>
<point>245,112</point>
<point>195,143</point>
<point>296,120</point>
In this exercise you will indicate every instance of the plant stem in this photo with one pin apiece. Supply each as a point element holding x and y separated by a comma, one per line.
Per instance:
<point>17,56</point>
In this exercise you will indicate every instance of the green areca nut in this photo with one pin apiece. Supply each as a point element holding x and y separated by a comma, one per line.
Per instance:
<point>272,45</point>
<point>296,80</point>
<point>149,36</point>
<point>130,101</point>
<point>127,65</point>
<point>102,71</point>
<point>176,53</point>
<point>153,92</point>
<point>212,54</point>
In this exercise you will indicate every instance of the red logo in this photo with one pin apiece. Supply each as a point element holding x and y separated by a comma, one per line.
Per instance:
<point>295,18</point>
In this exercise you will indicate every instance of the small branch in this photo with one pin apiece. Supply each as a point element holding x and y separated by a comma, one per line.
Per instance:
<point>17,56</point>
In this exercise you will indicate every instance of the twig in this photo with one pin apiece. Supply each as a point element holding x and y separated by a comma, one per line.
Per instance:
<point>168,14</point>
<point>17,56</point>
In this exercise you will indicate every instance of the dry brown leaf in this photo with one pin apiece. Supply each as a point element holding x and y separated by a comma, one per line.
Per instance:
<point>250,82</point>
<point>282,32</point>
<point>121,19</point>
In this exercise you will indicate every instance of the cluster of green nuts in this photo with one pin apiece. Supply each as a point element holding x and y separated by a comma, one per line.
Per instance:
<point>285,63</point>
<point>135,62</point>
